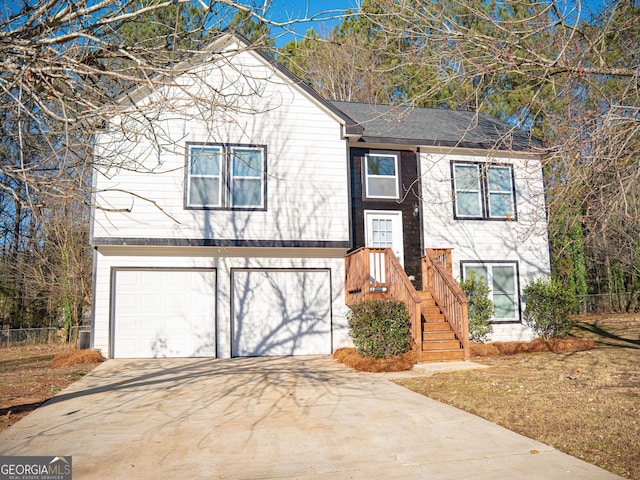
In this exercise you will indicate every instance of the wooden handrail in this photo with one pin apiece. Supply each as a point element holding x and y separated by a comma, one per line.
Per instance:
<point>444,256</point>
<point>445,290</point>
<point>377,273</point>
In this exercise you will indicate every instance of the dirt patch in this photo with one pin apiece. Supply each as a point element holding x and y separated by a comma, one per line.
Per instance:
<point>27,379</point>
<point>569,344</point>
<point>351,358</point>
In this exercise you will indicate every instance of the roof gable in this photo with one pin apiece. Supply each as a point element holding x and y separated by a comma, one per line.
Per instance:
<point>223,48</point>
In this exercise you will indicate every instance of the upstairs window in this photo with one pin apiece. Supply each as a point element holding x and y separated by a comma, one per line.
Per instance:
<point>226,177</point>
<point>247,177</point>
<point>381,176</point>
<point>205,177</point>
<point>500,199</point>
<point>483,191</point>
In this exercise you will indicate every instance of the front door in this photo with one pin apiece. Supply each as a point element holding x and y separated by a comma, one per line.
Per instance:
<point>383,229</point>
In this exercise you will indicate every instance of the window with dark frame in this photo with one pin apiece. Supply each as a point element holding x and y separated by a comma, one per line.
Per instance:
<point>502,280</point>
<point>483,191</point>
<point>226,176</point>
<point>381,176</point>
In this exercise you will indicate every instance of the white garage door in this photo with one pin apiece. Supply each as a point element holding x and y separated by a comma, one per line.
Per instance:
<point>164,313</point>
<point>281,312</point>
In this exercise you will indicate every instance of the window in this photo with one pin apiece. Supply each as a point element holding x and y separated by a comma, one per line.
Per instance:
<point>483,191</point>
<point>381,176</point>
<point>205,177</point>
<point>246,177</point>
<point>221,176</point>
<point>468,191</point>
<point>502,279</point>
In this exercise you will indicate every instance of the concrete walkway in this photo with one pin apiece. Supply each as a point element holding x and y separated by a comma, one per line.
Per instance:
<point>256,418</point>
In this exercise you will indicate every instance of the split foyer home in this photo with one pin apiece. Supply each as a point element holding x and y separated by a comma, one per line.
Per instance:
<point>244,224</point>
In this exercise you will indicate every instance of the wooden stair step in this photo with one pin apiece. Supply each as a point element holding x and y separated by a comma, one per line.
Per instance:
<point>431,310</point>
<point>433,318</point>
<point>442,356</point>
<point>438,335</point>
<point>439,342</point>
<point>435,326</point>
<point>427,299</point>
<point>439,345</point>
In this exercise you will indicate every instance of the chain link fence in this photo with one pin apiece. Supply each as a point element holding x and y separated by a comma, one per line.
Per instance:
<point>609,303</point>
<point>11,337</point>
<point>80,336</point>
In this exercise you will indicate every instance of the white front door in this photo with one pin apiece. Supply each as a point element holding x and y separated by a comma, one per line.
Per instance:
<point>383,229</point>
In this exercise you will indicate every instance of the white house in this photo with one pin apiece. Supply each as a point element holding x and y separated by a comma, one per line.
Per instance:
<point>478,187</point>
<point>229,197</point>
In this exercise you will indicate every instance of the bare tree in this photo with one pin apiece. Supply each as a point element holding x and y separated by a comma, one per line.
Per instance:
<point>569,75</point>
<point>71,68</point>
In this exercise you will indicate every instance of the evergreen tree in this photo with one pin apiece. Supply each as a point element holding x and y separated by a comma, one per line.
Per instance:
<point>566,75</point>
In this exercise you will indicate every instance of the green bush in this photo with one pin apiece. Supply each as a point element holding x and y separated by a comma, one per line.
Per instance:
<point>548,306</point>
<point>480,306</point>
<point>380,328</point>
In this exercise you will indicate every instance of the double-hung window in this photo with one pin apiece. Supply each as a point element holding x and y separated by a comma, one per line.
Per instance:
<point>381,176</point>
<point>205,176</point>
<point>247,177</point>
<point>483,191</point>
<point>226,177</point>
<point>502,280</point>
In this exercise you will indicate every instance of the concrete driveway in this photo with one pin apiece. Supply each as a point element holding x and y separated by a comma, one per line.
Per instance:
<point>250,418</point>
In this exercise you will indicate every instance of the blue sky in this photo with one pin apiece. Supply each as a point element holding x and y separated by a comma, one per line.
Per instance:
<point>283,10</point>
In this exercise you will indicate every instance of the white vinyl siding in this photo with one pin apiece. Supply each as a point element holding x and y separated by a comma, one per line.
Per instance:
<point>381,176</point>
<point>305,193</point>
<point>503,287</point>
<point>524,241</point>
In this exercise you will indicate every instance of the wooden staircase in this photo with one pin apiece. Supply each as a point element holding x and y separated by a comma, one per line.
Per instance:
<point>439,328</point>
<point>439,341</point>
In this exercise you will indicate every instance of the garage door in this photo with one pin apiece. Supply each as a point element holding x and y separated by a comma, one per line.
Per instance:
<point>281,312</point>
<point>164,313</point>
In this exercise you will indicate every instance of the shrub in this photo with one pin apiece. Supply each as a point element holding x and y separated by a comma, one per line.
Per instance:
<point>480,306</point>
<point>548,306</point>
<point>380,328</point>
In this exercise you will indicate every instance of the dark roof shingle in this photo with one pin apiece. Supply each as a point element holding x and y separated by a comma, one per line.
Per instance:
<point>435,127</point>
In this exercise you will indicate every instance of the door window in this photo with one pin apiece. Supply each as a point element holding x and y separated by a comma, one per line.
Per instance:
<point>383,229</point>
